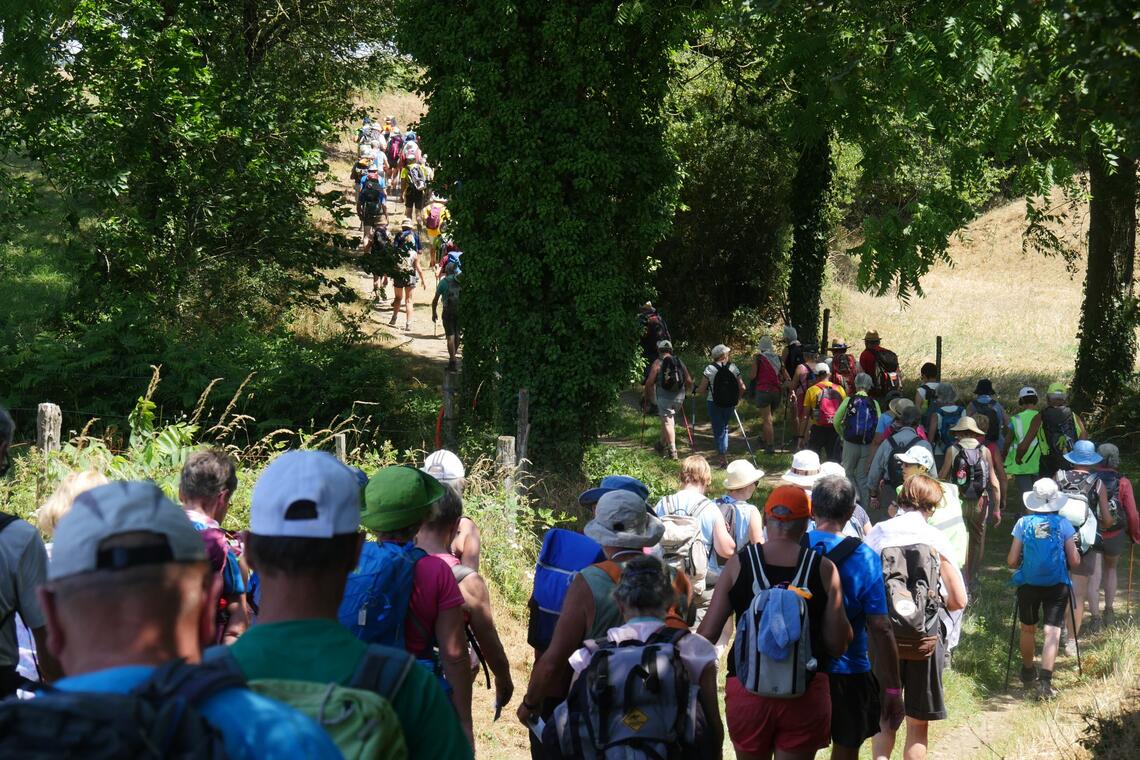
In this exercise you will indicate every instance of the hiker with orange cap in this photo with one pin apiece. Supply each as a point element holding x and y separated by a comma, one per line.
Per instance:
<point>881,364</point>
<point>775,589</point>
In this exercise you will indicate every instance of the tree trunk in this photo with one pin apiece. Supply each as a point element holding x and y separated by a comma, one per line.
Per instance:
<point>811,220</point>
<point>1107,336</point>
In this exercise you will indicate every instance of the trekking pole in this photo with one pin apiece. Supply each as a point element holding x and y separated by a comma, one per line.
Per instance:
<point>1131,556</point>
<point>745,435</point>
<point>1076,638</point>
<point>784,424</point>
<point>1009,654</point>
<point>689,429</point>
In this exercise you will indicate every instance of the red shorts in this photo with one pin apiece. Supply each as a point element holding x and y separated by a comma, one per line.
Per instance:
<point>759,725</point>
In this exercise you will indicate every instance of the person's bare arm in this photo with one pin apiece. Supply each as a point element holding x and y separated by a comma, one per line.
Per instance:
<point>755,528</point>
<point>552,668</point>
<point>237,618</point>
<point>723,542</point>
<point>468,543</point>
<point>997,484</point>
<point>1013,559</point>
<point>1072,555</point>
<point>50,668</point>
<point>456,667</point>
<point>948,462</point>
<point>884,653</point>
<point>836,628</point>
<point>955,586</point>
<point>714,729</point>
<point>1103,514</point>
<point>703,384</point>
<point>1030,436</point>
<point>720,607</point>
<point>477,602</point>
<point>650,381</point>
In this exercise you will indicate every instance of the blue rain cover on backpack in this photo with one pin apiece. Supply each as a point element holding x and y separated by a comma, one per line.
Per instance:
<point>948,420</point>
<point>376,597</point>
<point>860,421</point>
<point>563,554</point>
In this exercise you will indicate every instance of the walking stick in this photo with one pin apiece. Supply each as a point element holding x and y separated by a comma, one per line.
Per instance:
<point>1076,638</point>
<point>689,429</point>
<point>1131,556</point>
<point>1009,654</point>
<point>784,424</point>
<point>745,435</point>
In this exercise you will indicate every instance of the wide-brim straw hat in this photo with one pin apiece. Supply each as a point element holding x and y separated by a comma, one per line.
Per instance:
<point>966,425</point>
<point>804,470</point>
<point>741,474</point>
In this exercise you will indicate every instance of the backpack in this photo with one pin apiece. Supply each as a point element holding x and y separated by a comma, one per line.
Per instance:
<point>843,370</point>
<point>634,700</point>
<point>993,432</point>
<point>970,473</point>
<point>947,421</point>
<point>767,379</point>
<point>795,358</point>
<point>911,574</point>
<point>894,466</point>
<point>435,216</point>
<point>407,241</point>
<point>377,595</point>
<point>725,388</point>
<point>928,398</point>
<point>452,298</point>
<point>759,672</point>
<point>1080,488</point>
<point>656,329</point>
<point>394,146</point>
<point>829,401</point>
<point>672,374</point>
<point>157,719</point>
<point>682,546</point>
<point>417,177</point>
<point>564,553</point>
<point>370,195</point>
<point>1111,481</point>
<point>860,420</point>
<point>887,376</point>
<point>1059,427</point>
<point>359,717</point>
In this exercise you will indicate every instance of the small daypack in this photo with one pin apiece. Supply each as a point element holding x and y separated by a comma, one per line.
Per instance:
<point>417,177</point>
<point>795,358</point>
<point>377,595</point>
<point>843,370</point>
<point>993,432</point>
<point>394,146</point>
<point>1111,481</point>
<point>829,401</point>
<point>767,379</point>
<point>970,473</point>
<point>947,420</point>
<point>452,299</point>
<point>634,700</point>
<point>911,574</point>
<point>157,719</point>
<point>725,388</point>
<point>929,398</point>
<point>564,553</point>
<point>758,672</point>
<point>1080,508</point>
<point>1059,427</point>
<point>682,545</point>
<point>359,717</point>
<point>672,374</point>
<point>860,420</point>
<point>887,375</point>
<point>370,196</point>
<point>894,466</point>
<point>435,217</point>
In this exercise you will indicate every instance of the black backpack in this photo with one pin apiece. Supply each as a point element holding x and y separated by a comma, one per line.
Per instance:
<point>157,719</point>
<point>991,414</point>
<point>894,466</point>
<point>1059,427</point>
<point>672,374</point>
<point>795,358</point>
<point>970,473</point>
<point>370,196</point>
<point>725,388</point>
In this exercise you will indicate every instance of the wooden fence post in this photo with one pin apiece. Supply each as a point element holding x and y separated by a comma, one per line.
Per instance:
<point>341,441</point>
<point>938,356</point>
<point>826,325</point>
<point>49,427</point>
<point>506,460</point>
<point>449,409</point>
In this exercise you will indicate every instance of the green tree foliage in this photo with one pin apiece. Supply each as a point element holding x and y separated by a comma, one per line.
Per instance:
<point>545,115</point>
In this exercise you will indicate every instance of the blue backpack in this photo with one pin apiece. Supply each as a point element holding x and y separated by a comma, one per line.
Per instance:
<point>949,420</point>
<point>564,553</point>
<point>377,595</point>
<point>860,421</point>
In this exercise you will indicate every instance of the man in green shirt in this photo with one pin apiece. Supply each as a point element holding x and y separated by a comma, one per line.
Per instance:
<point>448,290</point>
<point>1024,472</point>
<point>304,541</point>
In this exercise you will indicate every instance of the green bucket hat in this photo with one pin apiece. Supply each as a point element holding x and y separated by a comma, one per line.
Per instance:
<point>398,497</point>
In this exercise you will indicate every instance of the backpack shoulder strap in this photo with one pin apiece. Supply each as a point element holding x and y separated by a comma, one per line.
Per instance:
<point>6,520</point>
<point>843,550</point>
<point>701,507</point>
<point>809,558</point>
<point>610,568</point>
<point>382,670</point>
<point>221,656</point>
<point>192,683</point>
<point>667,635</point>
<point>760,581</point>
<point>461,572</point>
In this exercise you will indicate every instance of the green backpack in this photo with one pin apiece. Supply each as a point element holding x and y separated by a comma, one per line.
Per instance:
<point>359,717</point>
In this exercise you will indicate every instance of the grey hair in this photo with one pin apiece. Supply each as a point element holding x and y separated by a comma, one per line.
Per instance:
<point>7,426</point>
<point>448,509</point>
<point>790,334</point>
<point>910,416</point>
<point>206,474</point>
<point>1111,454</point>
<point>644,586</point>
<point>946,394</point>
<point>863,381</point>
<point>833,498</point>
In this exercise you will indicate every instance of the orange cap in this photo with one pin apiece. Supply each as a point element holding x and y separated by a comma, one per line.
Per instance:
<point>788,503</point>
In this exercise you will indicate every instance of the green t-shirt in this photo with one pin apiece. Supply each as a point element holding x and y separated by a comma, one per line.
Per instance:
<point>448,291</point>
<point>324,651</point>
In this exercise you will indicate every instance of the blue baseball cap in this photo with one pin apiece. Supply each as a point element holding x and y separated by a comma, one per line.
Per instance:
<point>1084,452</point>
<point>614,483</point>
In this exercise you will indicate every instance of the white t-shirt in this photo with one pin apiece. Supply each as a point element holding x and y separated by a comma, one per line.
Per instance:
<point>696,652</point>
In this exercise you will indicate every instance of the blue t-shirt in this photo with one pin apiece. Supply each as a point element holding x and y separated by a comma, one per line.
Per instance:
<point>885,420</point>
<point>1043,538</point>
<point>687,502</point>
<point>252,726</point>
<point>863,594</point>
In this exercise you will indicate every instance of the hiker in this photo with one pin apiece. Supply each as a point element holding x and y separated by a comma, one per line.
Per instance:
<point>769,380</point>
<point>741,518</point>
<point>856,711</point>
<point>969,465</point>
<point>803,376</point>
<point>128,605</point>
<point>697,529</point>
<point>985,404</point>
<point>435,219</point>
<point>448,290</point>
<point>793,353</point>
<point>205,489</point>
<point>447,468</point>
<point>1111,537</point>
<point>1080,483</point>
<point>434,537</point>
<point>304,541</point>
<point>370,203</point>
<point>665,387</point>
<point>623,528</point>
<point>983,423</point>
<point>378,260</point>
<point>1026,471</point>
<point>944,416</point>
<point>393,154</point>
<point>822,403</point>
<point>788,710</point>
<point>415,174</point>
<point>1043,551</point>
<point>855,423</point>
<point>843,366</point>
<point>859,522</point>
<point>725,388</point>
<point>684,668</point>
<point>881,364</point>
<point>916,557</point>
<point>653,331</point>
<point>408,273</point>
<point>1056,429</point>
<point>924,395</point>
<point>884,475</point>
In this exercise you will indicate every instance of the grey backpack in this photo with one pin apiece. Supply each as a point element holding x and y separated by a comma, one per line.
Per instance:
<point>633,701</point>
<point>758,671</point>
<point>682,546</point>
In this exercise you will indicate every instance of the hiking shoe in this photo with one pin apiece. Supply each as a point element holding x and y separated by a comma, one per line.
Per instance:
<point>1070,648</point>
<point>451,365</point>
<point>673,454</point>
<point>1091,624</point>
<point>722,463</point>
<point>1109,618</point>
<point>659,447</point>
<point>1029,676</point>
<point>392,321</point>
<point>1045,690</point>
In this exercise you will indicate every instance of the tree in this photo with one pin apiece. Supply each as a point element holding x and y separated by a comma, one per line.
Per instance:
<point>545,117</point>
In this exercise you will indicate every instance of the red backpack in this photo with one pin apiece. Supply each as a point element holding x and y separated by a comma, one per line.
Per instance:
<point>843,370</point>
<point>767,379</point>
<point>829,401</point>
<point>435,216</point>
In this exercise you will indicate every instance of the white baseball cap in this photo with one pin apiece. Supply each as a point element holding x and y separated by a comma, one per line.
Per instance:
<point>822,369</point>
<point>1026,392</point>
<point>112,510</point>
<point>443,465</point>
<point>305,494</point>
<point>918,455</point>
